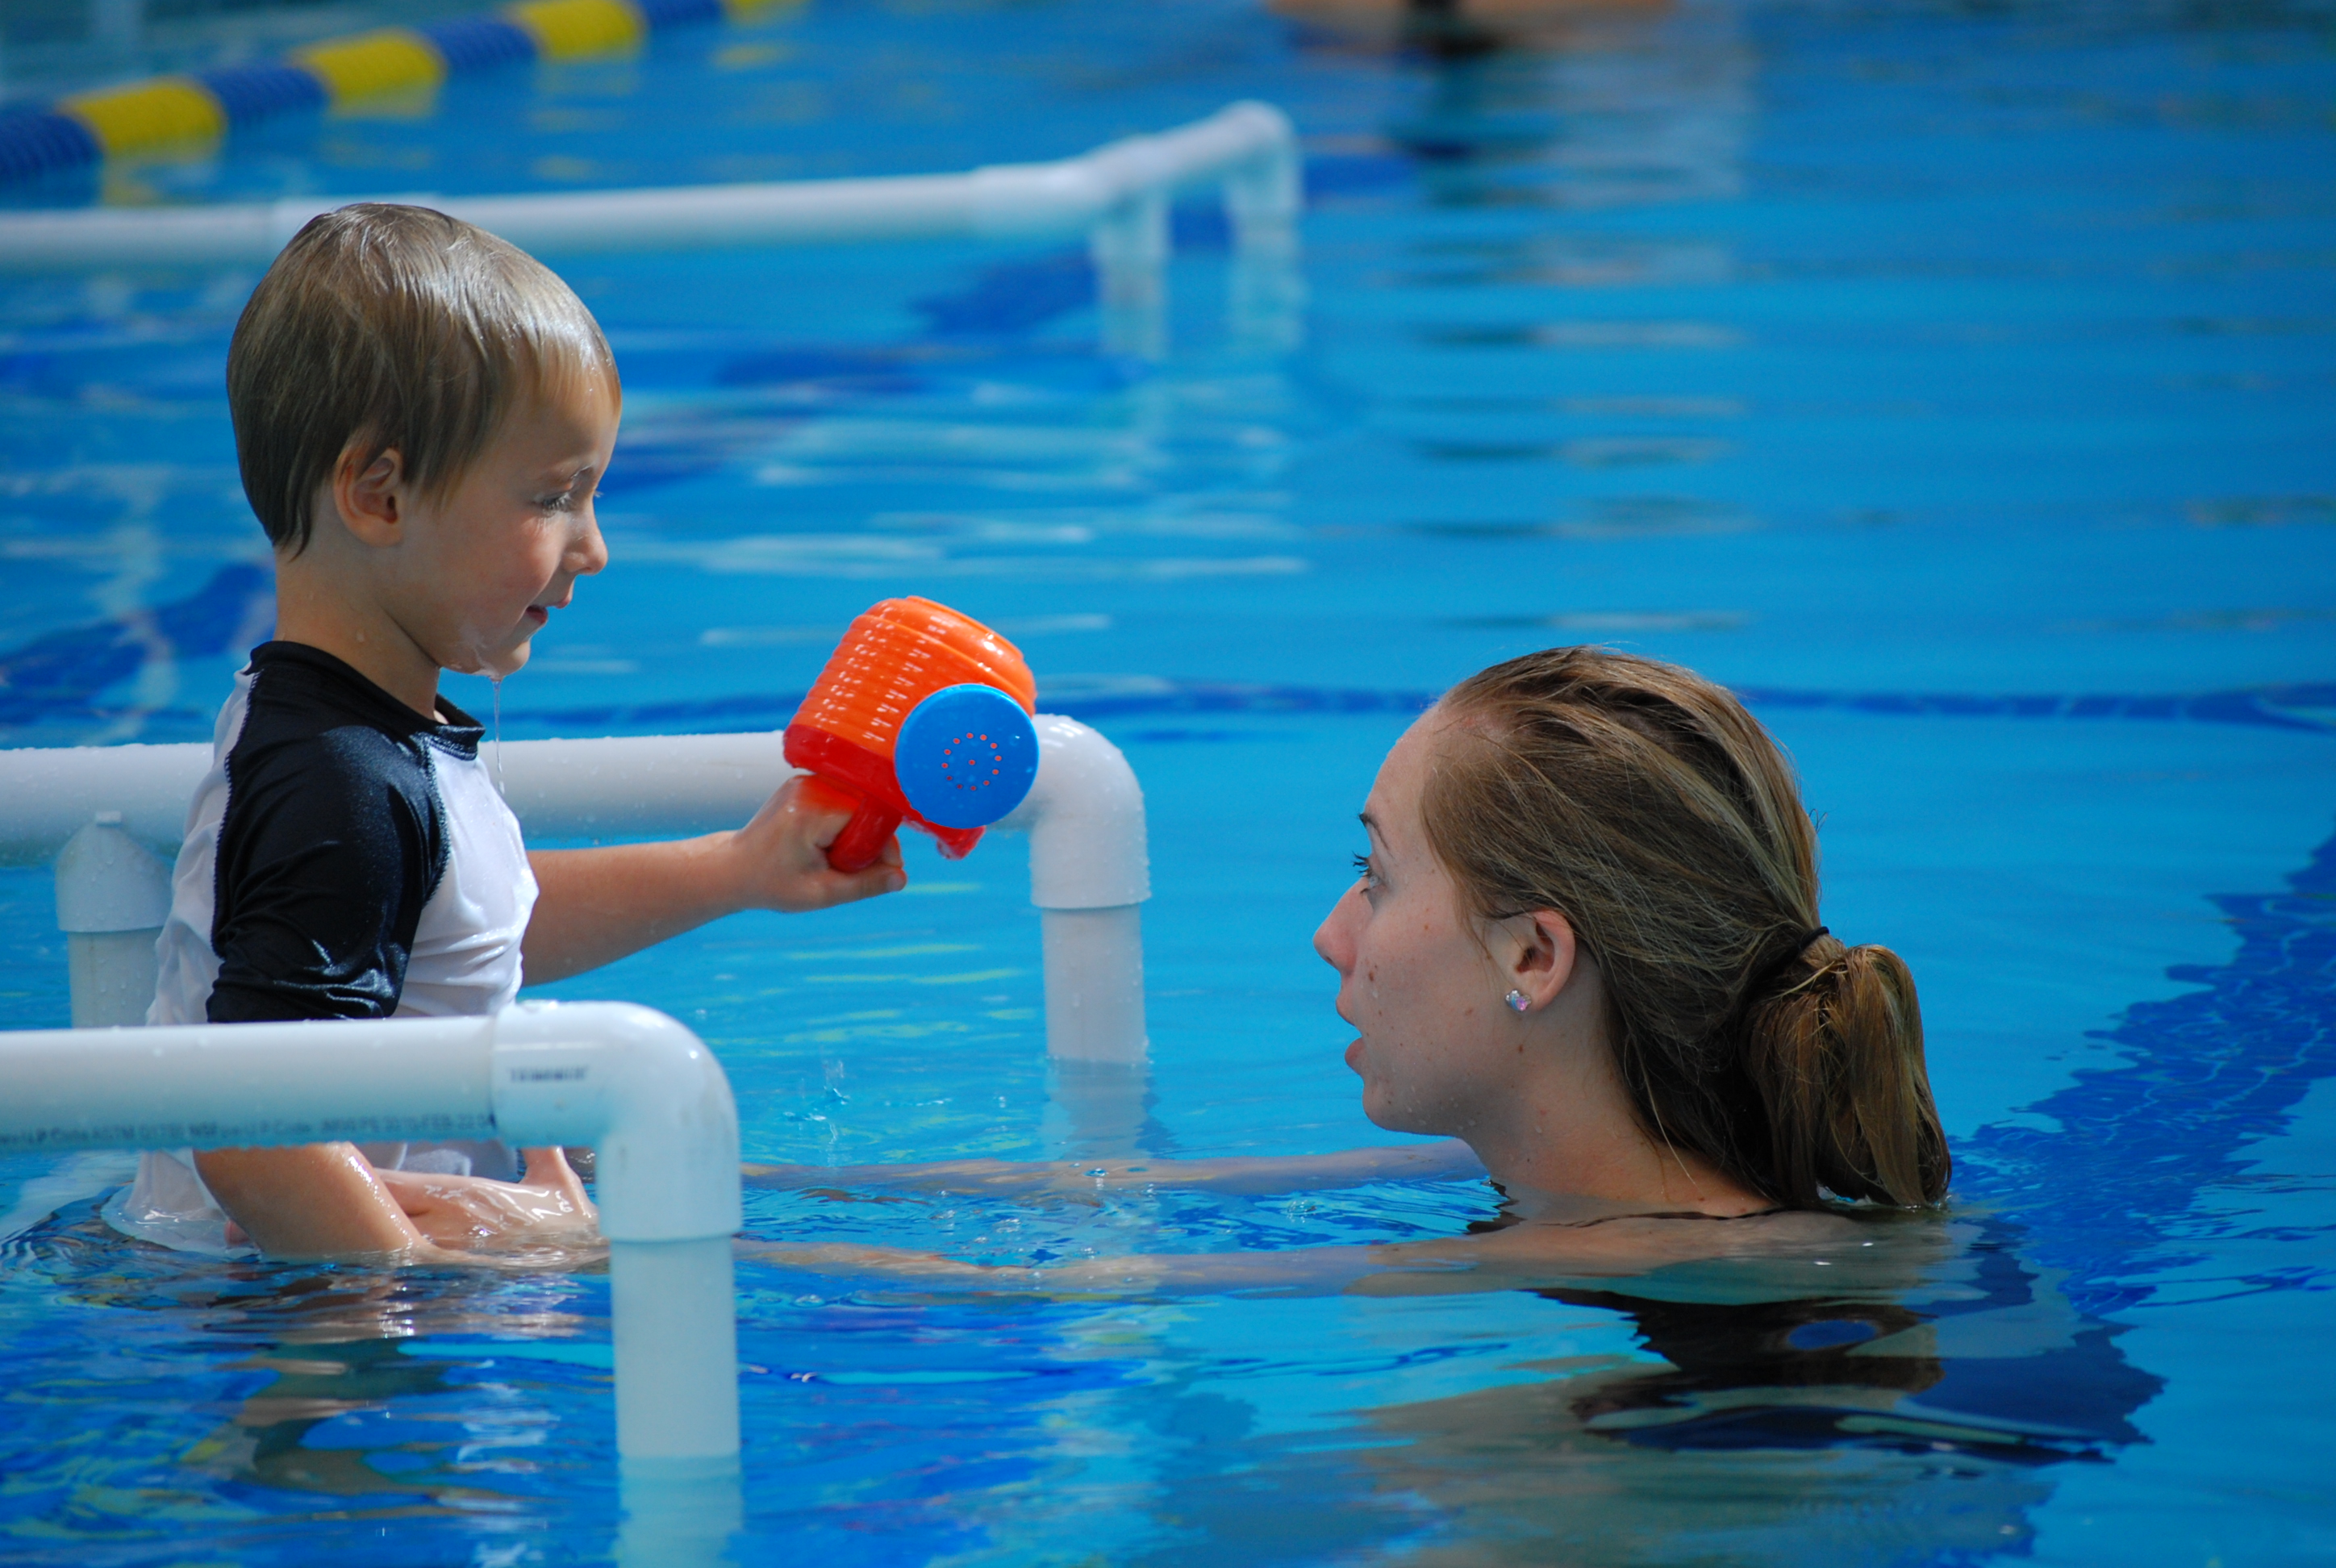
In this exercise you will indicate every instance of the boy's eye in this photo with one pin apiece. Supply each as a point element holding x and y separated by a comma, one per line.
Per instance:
<point>564,502</point>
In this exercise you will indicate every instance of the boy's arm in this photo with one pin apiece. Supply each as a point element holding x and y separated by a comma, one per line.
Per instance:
<point>318,1200</point>
<point>595,906</point>
<point>323,869</point>
<point>326,1200</point>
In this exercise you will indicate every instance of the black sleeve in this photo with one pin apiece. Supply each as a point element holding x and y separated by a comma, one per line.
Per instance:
<point>330,845</point>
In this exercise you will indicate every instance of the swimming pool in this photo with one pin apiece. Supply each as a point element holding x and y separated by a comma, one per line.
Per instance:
<point>1955,382</point>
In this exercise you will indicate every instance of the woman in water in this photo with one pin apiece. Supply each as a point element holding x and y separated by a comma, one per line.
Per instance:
<point>1457,28</point>
<point>1586,946</point>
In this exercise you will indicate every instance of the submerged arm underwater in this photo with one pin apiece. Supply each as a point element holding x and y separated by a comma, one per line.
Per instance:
<point>1447,1159</point>
<point>1532,1252</point>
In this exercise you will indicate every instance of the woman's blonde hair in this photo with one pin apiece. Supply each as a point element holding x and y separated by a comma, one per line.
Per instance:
<point>1645,804</point>
<point>398,327</point>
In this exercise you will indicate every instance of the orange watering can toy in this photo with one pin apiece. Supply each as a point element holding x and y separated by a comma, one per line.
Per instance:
<point>922,716</point>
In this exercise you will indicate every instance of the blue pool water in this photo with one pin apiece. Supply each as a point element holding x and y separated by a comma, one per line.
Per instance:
<point>1955,381</point>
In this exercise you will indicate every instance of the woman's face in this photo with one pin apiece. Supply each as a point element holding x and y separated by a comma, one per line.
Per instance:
<point>1436,1045</point>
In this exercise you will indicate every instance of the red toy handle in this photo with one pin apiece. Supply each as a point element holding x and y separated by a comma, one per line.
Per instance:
<point>843,775</point>
<point>863,838</point>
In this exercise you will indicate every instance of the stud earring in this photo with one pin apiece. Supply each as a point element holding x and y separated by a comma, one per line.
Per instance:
<point>1517,1000</point>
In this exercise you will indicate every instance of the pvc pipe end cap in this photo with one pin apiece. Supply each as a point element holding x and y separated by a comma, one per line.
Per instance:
<point>966,755</point>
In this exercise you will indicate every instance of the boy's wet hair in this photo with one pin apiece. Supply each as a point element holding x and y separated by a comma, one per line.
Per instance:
<point>394,327</point>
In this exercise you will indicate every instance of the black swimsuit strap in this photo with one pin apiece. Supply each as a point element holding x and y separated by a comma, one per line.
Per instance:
<point>1506,1218</point>
<point>1662,1214</point>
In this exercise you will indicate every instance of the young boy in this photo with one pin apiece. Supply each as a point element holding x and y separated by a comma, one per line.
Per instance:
<point>422,412</point>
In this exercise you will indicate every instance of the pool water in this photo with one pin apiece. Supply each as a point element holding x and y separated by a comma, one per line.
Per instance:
<point>1952,381</point>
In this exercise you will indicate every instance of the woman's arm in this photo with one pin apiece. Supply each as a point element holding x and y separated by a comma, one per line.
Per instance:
<point>1522,1256</point>
<point>1300,1271</point>
<point>595,906</point>
<point>1458,1265</point>
<point>1448,1159</point>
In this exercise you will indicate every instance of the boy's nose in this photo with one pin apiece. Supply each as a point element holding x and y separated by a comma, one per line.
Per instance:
<point>590,552</point>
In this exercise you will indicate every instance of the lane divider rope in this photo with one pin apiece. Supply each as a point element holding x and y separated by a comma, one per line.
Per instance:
<point>86,127</point>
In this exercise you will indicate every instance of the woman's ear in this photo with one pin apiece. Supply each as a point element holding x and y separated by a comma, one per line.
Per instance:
<point>1543,957</point>
<point>370,499</point>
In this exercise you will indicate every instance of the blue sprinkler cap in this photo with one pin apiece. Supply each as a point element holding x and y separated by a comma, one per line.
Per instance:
<point>966,755</point>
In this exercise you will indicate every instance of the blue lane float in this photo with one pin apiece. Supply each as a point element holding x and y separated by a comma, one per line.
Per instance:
<point>249,93</point>
<point>87,128</point>
<point>37,140</point>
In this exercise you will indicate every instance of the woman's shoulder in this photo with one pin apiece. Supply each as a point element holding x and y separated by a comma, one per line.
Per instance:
<point>1634,1243</point>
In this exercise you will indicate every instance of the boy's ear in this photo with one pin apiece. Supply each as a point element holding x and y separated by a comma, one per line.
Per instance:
<point>370,499</point>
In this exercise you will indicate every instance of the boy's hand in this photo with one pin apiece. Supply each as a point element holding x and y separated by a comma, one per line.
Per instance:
<point>781,857</point>
<point>545,1206</point>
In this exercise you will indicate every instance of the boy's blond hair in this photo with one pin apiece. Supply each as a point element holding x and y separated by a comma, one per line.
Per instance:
<point>394,327</point>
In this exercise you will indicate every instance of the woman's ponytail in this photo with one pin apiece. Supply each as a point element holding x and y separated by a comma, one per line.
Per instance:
<point>1837,1058</point>
<point>1645,803</point>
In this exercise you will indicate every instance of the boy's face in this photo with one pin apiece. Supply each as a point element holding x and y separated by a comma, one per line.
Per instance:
<point>483,568</point>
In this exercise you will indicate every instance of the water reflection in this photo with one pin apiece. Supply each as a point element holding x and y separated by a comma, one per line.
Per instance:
<point>317,1384</point>
<point>1452,30</point>
<point>1915,1405</point>
<point>1642,110</point>
<point>296,1402</point>
<point>1773,1430</point>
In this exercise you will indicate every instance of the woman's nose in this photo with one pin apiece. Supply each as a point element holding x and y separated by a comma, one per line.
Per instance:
<point>1330,938</point>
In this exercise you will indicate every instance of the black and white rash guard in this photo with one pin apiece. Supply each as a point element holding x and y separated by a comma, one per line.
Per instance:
<point>344,858</point>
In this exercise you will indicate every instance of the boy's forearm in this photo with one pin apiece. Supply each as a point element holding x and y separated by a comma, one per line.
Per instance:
<point>595,906</point>
<point>311,1200</point>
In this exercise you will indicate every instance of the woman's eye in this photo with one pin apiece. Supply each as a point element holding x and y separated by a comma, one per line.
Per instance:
<point>1364,869</point>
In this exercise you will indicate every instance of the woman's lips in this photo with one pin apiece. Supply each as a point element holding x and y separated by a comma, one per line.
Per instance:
<point>1354,1054</point>
<point>536,616</point>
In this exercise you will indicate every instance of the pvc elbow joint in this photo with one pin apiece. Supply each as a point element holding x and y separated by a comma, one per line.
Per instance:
<point>1085,817</point>
<point>645,1091</point>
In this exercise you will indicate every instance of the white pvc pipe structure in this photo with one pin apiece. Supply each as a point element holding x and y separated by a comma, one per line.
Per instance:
<point>632,1083</point>
<point>1090,877</point>
<point>102,806</point>
<point>112,897</point>
<point>1116,194</point>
